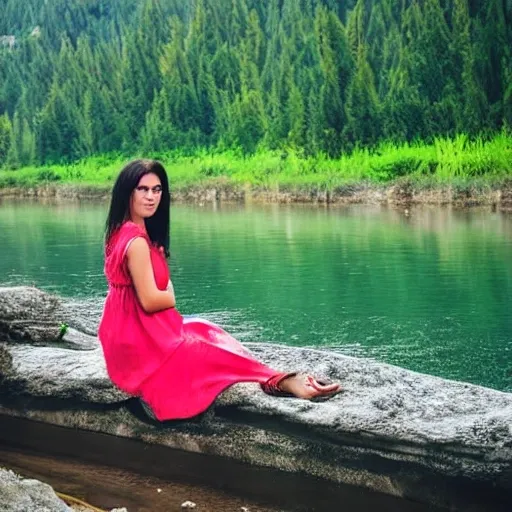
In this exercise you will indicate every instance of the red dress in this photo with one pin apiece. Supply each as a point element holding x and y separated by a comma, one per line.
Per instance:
<point>176,365</point>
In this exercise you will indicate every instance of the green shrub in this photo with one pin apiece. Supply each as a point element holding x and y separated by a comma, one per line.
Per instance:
<point>48,175</point>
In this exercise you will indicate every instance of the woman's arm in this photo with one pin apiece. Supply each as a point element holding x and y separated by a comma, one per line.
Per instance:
<point>170,289</point>
<point>141,271</point>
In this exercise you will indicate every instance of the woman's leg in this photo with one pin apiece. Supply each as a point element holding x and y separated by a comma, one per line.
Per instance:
<point>294,384</point>
<point>194,328</point>
<point>190,380</point>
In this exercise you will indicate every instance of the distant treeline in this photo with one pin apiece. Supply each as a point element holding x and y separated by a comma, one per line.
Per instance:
<point>85,77</point>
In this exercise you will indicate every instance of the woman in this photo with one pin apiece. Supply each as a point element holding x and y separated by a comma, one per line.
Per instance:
<point>177,366</point>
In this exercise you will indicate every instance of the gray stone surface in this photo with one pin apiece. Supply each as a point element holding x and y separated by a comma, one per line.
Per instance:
<point>31,317</point>
<point>19,494</point>
<point>392,430</point>
<point>27,495</point>
<point>5,362</point>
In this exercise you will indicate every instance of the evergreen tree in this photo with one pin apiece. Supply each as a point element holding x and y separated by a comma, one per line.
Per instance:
<point>178,81</point>
<point>432,70</point>
<point>238,21</point>
<point>403,107</point>
<point>248,122</point>
<point>159,133</point>
<point>362,106</point>
<point>255,42</point>
<point>22,147</point>
<point>472,104</point>
<point>5,137</point>
<point>337,67</point>
<point>272,53</point>
<point>493,54</point>
<point>52,127</point>
<point>27,150</point>
<point>297,121</point>
<point>84,144</point>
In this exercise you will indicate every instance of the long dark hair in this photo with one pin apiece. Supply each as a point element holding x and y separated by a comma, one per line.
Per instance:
<point>157,225</point>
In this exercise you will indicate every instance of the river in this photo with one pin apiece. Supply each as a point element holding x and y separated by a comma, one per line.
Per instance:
<point>428,289</point>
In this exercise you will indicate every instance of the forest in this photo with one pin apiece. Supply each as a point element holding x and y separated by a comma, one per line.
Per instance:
<point>85,78</point>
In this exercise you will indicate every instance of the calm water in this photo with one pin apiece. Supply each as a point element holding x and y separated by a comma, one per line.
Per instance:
<point>429,291</point>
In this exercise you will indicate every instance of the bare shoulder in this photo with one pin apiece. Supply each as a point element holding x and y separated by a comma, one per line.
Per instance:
<point>138,247</point>
<point>130,227</point>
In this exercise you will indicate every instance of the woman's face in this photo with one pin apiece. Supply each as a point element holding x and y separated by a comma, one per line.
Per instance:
<point>145,197</point>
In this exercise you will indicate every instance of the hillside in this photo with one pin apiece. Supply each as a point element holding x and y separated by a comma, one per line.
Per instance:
<point>88,77</point>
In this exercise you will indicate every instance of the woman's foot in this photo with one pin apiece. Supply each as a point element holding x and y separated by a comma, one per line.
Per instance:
<point>300,385</point>
<point>307,387</point>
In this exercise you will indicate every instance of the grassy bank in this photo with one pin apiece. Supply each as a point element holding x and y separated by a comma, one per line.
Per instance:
<point>443,162</point>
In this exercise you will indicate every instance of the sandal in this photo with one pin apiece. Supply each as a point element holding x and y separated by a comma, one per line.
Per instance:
<point>272,387</point>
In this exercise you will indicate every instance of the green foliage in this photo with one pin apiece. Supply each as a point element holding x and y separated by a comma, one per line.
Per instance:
<point>48,175</point>
<point>247,121</point>
<point>362,107</point>
<point>5,137</point>
<point>452,160</point>
<point>462,157</point>
<point>22,147</point>
<point>308,76</point>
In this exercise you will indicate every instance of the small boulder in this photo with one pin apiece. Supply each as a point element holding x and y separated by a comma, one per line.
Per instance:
<point>21,495</point>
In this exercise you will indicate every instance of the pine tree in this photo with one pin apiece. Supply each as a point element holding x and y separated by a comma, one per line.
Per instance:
<point>238,22</point>
<point>362,106</point>
<point>84,144</point>
<point>195,44</point>
<point>296,115</point>
<point>159,133</point>
<point>27,150</point>
<point>493,55</point>
<point>5,137</point>
<point>255,41</point>
<point>315,127</point>
<point>471,114</point>
<point>337,68</point>
<point>225,69</point>
<point>51,140</point>
<point>22,147</point>
<point>248,121</point>
<point>207,98</point>
<point>178,81</point>
<point>377,37</point>
<point>276,128</point>
<point>431,64</point>
<point>403,107</point>
<point>272,54</point>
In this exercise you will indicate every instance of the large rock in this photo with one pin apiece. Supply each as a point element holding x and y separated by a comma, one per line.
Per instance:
<point>17,316</point>
<point>392,430</point>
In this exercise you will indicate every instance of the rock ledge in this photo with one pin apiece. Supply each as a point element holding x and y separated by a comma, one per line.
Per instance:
<point>394,431</point>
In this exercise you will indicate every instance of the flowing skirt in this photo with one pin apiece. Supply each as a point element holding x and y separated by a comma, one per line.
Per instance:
<point>208,361</point>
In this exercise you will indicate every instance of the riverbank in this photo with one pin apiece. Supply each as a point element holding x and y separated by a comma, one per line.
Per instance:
<point>449,171</point>
<point>109,486</point>
<point>109,471</point>
<point>405,192</point>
